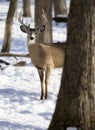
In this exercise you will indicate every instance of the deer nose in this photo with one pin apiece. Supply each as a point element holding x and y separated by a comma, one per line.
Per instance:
<point>31,38</point>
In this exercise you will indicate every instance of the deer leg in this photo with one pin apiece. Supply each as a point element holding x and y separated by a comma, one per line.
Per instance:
<point>41,75</point>
<point>47,75</point>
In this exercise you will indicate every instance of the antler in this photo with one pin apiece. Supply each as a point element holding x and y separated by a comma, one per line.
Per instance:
<point>26,28</point>
<point>20,19</point>
<point>44,15</point>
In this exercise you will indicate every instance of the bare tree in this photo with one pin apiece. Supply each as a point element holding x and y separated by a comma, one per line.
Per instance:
<point>60,7</point>
<point>46,6</point>
<point>26,8</point>
<point>8,26</point>
<point>76,100</point>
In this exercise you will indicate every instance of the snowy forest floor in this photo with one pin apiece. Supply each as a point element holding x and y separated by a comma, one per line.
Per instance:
<point>20,104</point>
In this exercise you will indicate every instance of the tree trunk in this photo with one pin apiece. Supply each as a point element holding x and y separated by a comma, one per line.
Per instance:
<point>8,26</point>
<point>60,7</point>
<point>76,100</point>
<point>46,36</point>
<point>26,8</point>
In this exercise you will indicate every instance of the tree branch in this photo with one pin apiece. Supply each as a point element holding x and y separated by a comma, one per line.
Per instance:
<point>14,55</point>
<point>60,19</point>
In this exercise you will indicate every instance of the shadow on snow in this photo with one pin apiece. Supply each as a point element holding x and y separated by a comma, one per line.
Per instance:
<point>18,95</point>
<point>16,126</point>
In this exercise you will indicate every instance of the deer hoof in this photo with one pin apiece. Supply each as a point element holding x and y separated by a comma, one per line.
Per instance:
<point>45,96</point>
<point>41,98</point>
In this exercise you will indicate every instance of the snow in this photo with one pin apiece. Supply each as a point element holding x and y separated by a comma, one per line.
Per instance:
<point>20,104</point>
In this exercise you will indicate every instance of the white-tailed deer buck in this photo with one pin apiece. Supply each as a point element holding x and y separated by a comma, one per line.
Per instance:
<point>44,56</point>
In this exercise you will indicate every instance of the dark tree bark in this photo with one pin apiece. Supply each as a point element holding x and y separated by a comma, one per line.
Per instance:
<point>46,36</point>
<point>26,8</point>
<point>60,7</point>
<point>76,100</point>
<point>8,26</point>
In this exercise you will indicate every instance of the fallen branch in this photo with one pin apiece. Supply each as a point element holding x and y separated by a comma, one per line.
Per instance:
<point>18,64</point>
<point>60,19</point>
<point>14,55</point>
<point>2,61</point>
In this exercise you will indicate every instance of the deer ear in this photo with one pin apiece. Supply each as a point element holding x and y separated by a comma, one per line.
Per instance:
<point>40,29</point>
<point>23,29</point>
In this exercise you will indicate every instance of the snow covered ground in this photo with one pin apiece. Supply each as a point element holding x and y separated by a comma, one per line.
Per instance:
<point>20,107</point>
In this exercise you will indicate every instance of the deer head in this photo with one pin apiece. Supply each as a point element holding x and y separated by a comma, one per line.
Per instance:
<point>31,31</point>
